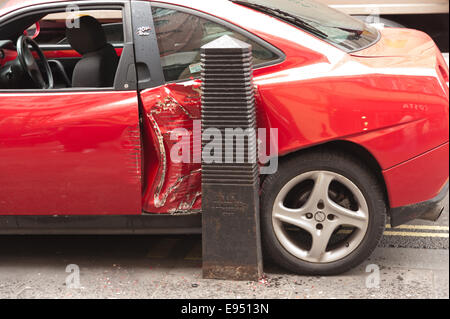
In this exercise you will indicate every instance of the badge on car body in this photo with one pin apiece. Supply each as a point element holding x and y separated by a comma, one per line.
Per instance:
<point>143,31</point>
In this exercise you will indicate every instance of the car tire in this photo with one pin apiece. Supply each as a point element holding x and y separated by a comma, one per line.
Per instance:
<point>337,258</point>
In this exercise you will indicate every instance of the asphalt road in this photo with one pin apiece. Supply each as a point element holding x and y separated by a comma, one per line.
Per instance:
<point>412,262</point>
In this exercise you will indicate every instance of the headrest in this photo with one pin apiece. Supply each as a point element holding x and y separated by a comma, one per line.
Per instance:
<point>88,37</point>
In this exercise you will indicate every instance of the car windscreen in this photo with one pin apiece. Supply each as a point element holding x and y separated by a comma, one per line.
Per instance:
<point>332,26</point>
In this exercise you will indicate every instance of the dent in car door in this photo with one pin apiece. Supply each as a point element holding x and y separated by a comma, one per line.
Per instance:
<point>172,186</point>
<point>169,187</point>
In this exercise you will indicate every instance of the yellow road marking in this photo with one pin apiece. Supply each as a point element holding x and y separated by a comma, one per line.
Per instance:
<point>422,227</point>
<point>413,234</point>
<point>403,234</point>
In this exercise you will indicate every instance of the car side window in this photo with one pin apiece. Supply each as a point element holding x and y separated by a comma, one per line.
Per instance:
<point>90,59</point>
<point>53,27</point>
<point>180,37</point>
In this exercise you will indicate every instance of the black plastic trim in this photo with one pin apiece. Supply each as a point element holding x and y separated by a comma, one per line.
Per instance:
<point>126,78</point>
<point>147,224</point>
<point>61,71</point>
<point>148,63</point>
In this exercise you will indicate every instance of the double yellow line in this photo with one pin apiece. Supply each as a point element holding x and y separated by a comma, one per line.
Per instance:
<point>412,231</point>
<point>417,231</point>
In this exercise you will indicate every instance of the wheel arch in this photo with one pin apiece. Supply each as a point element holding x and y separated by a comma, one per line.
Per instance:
<point>357,151</point>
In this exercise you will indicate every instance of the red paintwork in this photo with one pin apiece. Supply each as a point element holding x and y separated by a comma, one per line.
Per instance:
<point>69,154</point>
<point>9,56</point>
<point>36,33</point>
<point>61,54</point>
<point>411,175</point>
<point>391,98</point>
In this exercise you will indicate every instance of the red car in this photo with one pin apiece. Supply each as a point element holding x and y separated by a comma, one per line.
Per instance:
<point>362,117</point>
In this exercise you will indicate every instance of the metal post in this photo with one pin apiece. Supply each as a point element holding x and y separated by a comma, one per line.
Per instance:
<point>230,181</point>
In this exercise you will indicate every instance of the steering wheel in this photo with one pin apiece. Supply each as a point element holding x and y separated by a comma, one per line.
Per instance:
<point>29,64</point>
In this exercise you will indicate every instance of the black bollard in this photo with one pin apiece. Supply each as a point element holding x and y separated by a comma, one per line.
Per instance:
<point>230,178</point>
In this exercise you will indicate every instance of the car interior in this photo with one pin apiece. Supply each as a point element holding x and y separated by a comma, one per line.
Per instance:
<point>61,50</point>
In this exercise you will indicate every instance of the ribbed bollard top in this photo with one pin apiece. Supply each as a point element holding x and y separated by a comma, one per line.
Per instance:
<point>228,102</point>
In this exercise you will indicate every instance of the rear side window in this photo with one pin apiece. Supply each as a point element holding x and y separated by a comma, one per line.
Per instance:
<point>180,37</point>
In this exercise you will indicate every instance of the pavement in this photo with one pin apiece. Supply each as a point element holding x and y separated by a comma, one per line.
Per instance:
<point>411,262</point>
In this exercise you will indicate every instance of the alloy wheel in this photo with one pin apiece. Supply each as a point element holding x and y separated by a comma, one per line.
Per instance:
<point>320,216</point>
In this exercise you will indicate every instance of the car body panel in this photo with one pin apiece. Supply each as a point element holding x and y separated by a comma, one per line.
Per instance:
<point>394,117</point>
<point>421,178</point>
<point>73,153</point>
